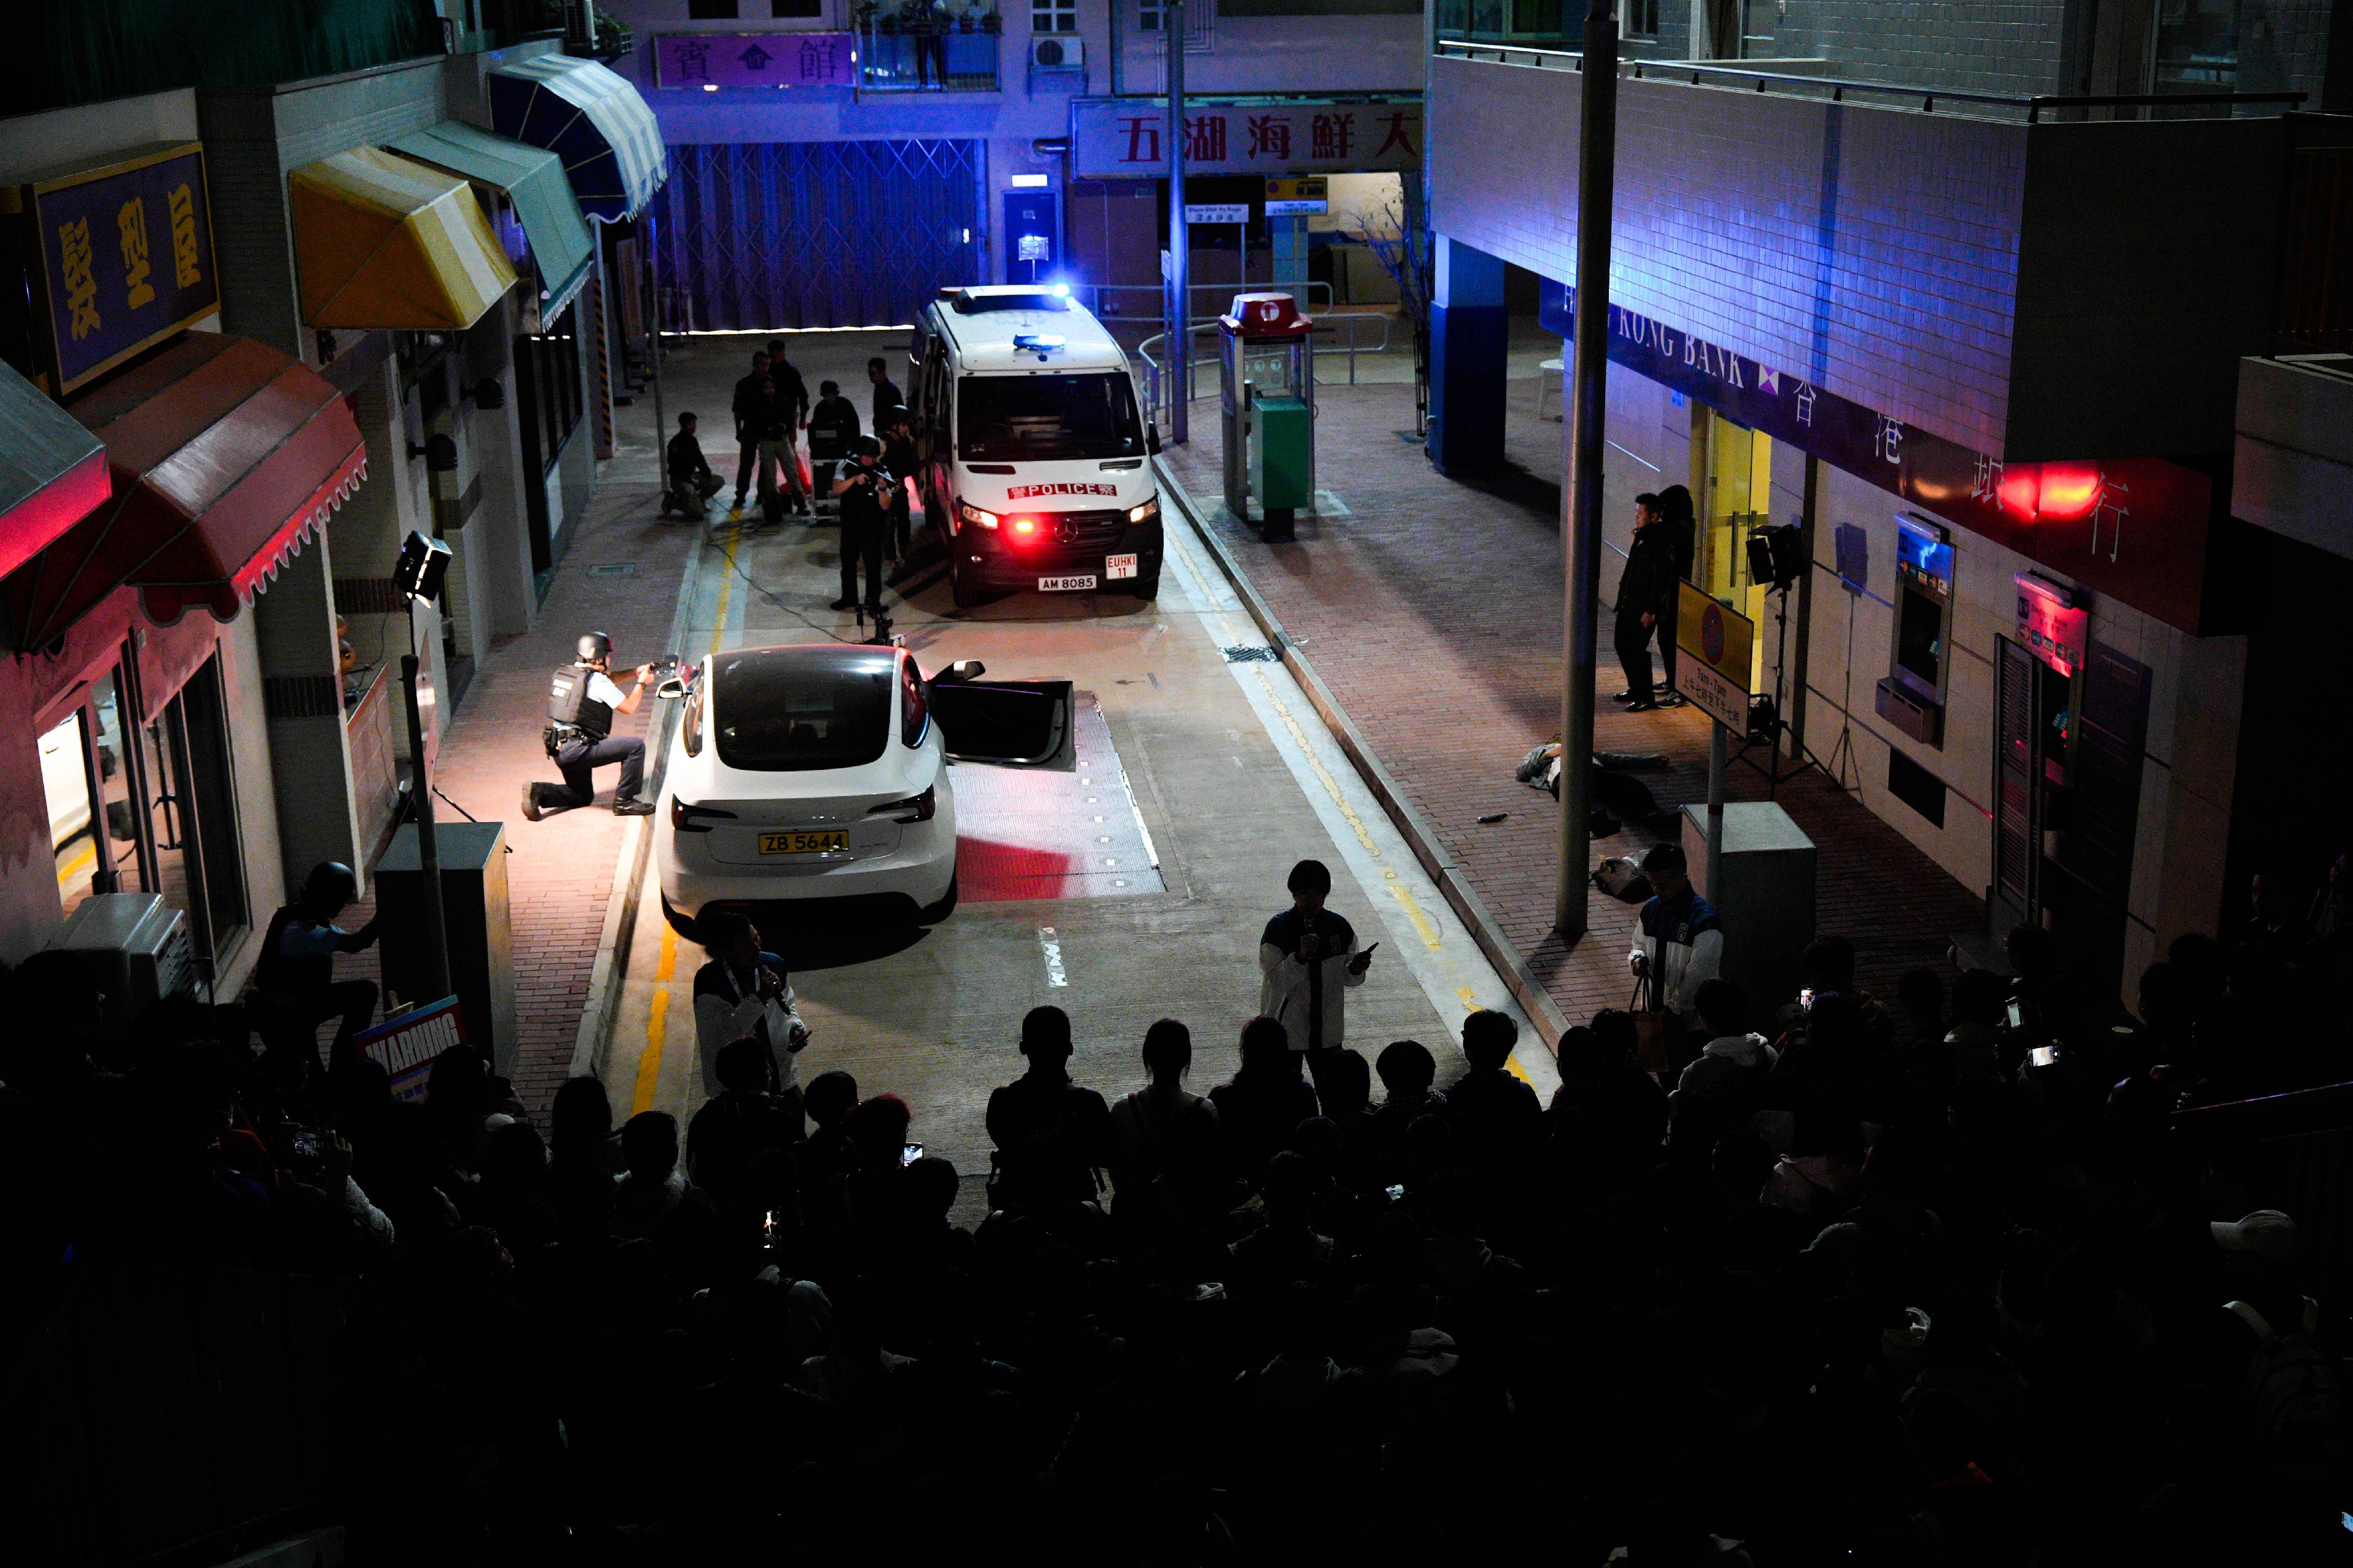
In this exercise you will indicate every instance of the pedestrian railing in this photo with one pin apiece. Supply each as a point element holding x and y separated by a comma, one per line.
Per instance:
<point>2032,107</point>
<point>1337,336</point>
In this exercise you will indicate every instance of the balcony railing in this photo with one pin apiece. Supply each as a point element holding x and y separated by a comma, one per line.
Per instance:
<point>928,60</point>
<point>1757,76</point>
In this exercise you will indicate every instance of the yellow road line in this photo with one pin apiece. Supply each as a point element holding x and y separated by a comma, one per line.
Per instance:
<point>649,1059</point>
<point>79,867</point>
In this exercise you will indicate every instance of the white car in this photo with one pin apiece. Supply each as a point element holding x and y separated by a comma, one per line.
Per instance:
<point>820,770</point>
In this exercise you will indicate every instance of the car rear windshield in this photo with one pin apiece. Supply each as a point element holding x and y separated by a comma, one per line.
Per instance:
<point>1009,419</point>
<point>798,709</point>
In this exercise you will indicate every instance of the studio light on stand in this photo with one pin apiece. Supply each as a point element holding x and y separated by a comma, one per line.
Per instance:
<point>1775,560</point>
<point>418,575</point>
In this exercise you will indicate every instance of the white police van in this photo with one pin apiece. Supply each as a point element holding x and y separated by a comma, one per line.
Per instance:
<point>1033,446</point>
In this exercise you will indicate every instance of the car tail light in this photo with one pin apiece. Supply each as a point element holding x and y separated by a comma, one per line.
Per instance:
<point>683,818</point>
<point>914,808</point>
<point>975,516</point>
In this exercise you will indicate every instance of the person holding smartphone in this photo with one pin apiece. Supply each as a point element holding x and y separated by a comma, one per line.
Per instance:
<point>744,992</point>
<point>1308,962</point>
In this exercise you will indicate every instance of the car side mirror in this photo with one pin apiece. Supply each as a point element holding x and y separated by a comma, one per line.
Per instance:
<point>674,686</point>
<point>961,670</point>
<point>1152,439</point>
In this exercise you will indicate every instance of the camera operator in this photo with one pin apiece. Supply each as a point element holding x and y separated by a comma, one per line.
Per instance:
<point>582,702</point>
<point>896,428</point>
<point>864,487</point>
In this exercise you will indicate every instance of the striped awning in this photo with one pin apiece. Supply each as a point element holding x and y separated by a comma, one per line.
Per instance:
<point>226,457</point>
<point>591,118</point>
<point>52,471</point>
<point>535,185</point>
<point>382,241</point>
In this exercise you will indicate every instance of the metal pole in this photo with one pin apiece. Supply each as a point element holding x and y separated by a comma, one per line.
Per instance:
<point>651,282</point>
<point>428,853</point>
<point>1180,294</point>
<point>1596,163</point>
<point>1716,770</point>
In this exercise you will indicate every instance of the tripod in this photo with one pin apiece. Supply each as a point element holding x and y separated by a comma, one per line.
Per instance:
<point>1769,735</point>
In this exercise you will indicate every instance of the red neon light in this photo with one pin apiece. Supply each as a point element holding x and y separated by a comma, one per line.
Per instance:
<point>2069,490</point>
<point>1025,525</point>
<point>2021,490</point>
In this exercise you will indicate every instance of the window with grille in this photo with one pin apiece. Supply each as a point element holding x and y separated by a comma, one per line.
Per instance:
<point>1053,16</point>
<point>1151,16</point>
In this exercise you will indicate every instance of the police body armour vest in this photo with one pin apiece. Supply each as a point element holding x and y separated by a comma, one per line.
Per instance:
<point>568,702</point>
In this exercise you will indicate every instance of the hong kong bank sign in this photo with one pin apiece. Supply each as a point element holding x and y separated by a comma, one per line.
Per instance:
<point>118,253</point>
<point>1123,137</point>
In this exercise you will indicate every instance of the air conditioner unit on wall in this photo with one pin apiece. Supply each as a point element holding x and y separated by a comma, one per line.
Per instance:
<point>1058,52</point>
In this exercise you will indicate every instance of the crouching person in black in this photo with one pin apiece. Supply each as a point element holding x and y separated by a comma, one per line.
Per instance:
<point>582,700</point>
<point>295,988</point>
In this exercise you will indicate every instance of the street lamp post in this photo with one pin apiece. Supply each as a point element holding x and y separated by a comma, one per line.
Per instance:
<point>1179,379</point>
<point>1597,163</point>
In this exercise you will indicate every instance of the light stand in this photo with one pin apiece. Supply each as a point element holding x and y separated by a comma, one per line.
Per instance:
<point>1779,725</point>
<point>418,573</point>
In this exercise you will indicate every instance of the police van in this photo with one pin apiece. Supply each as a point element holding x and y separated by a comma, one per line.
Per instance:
<point>1034,452</point>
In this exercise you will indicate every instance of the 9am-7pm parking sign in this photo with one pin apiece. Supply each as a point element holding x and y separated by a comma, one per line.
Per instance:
<point>1718,647</point>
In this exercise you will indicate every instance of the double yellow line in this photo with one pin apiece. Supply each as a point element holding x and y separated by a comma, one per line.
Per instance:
<point>649,1059</point>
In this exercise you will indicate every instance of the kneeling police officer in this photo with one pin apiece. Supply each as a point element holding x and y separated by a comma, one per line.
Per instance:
<point>581,699</point>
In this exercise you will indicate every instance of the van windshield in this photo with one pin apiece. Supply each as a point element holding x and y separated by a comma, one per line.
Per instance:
<point>1009,418</point>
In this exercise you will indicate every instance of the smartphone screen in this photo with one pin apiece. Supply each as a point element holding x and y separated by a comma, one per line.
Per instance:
<point>2042,1057</point>
<point>910,1153</point>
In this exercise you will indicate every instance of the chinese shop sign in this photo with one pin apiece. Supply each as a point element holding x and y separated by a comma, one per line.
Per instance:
<point>755,60</point>
<point>1126,137</point>
<point>121,256</point>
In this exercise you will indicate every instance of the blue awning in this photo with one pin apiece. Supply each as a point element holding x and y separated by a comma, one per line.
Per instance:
<point>592,118</point>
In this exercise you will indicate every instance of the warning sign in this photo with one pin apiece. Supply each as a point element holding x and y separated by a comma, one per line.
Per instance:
<point>1717,646</point>
<point>405,1044</point>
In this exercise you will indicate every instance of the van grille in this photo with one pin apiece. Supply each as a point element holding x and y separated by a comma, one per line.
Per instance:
<point>1083,530</point>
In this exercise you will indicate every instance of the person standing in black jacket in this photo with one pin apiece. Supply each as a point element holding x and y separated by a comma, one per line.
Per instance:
<point>896,427</point>
<point>1646,601</point>
<point>887,394</point>
<point>1676,516</point>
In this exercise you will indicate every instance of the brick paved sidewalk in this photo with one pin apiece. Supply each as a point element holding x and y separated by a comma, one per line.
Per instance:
<point>560,873</point>
<point>1433,611</point>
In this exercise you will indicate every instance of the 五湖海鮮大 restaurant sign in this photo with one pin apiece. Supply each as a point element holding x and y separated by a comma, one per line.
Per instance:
<point>120,253</point>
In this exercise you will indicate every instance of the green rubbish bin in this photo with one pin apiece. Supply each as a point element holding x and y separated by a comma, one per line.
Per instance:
<point>1283,460</point>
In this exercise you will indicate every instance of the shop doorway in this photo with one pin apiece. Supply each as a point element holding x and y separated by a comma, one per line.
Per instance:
<point>149,806</point>
<point>1732,478</point>
<point>87,780</point>
<point>2067,782</point>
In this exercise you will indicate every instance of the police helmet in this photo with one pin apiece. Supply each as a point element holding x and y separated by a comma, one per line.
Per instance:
<point>329,884</point>
<point>868,447</point>
<point>591,647</point>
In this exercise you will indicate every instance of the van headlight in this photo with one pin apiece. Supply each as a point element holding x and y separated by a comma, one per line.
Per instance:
<point>975,516</point>
<point>1145,512</point>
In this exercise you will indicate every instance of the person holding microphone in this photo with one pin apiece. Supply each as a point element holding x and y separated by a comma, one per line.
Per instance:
<point>1308,962</point>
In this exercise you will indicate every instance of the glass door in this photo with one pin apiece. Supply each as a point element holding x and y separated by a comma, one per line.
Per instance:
<point>85,778</point>
<point>1735,499</point>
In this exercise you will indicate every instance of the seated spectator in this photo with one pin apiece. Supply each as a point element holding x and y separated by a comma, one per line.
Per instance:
<point>1978,998</point>
<point>1723,1084</point>
<point>1052,1136</point>
<point>1609,1117</point>
<point>831,1096</point>
<point>517,1196</point>
<point>1140,1122</point>
<point>1496,1117</point>
<point>1407,1070</point>
<point>744,1121</point>
<point>1264,1103</point>
<point>653,1191</point>
<point>1920,1002</point>
<point>1816,1179</point>
<point>1285,1248</point>
<point>1343,1091</point>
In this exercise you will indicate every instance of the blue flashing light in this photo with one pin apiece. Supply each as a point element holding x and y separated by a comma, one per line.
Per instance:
<point>1040,342</point>
<point>1061,290</point>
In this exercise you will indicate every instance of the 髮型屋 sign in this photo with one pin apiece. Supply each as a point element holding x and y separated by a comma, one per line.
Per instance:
<point>120,256</point>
